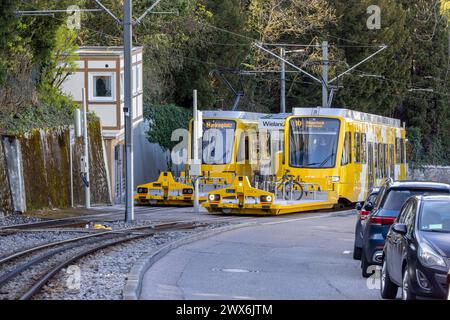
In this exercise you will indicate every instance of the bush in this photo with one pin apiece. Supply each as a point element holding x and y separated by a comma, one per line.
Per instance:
<point>163,120</point>
<point>45,117</point>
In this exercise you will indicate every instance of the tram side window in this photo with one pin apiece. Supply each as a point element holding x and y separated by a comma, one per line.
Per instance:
<point>385,158</point>
<point>391,158</point>
<point>347,151</point>
<point>357,147</point>
<point>363,148</point>
<point>242,148</point>
<point>375,157</point>
<point>398,150</point>
<point>380,161</point>
<point>403,151</point>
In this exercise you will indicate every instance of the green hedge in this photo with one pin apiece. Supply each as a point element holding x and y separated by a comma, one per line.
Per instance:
<point>163,120</point>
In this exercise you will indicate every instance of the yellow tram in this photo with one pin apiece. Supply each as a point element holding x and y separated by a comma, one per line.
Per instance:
<point>228,150</point>
<point>331,156</point>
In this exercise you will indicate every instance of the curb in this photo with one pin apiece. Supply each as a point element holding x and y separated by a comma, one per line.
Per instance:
<point>133,285</point>
<point>346,213</point>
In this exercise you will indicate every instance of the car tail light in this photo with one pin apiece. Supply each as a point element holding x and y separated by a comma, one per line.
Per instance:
<point>382,220</point>
<point>363,214</point>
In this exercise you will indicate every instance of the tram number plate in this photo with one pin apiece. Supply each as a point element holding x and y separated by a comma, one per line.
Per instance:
<point>231,190</point>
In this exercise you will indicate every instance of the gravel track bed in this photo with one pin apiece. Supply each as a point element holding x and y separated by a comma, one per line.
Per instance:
<point>17,219</point>
<point>11,243</point>
<point>26,279</point>
<point>103,274</point>
<point>16,241</point>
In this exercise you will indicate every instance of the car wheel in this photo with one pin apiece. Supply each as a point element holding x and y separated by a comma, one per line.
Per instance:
<point>388,289</point>
<point>406,286</point>
<point>357,252</point>
<point>365,265</point>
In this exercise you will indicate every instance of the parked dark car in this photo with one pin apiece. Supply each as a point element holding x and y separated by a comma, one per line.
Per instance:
<point>362,212</point>
<point>417,251</point>
<point>386,208</point>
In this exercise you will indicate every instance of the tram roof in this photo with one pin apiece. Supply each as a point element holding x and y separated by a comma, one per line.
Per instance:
<point>243,115</point>
<point>347,114</point>
<point>277,116</point>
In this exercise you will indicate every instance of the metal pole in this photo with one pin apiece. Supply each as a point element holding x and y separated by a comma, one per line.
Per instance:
<point>128,109</point>
<point>87,191</point>
<point>325,74</point>
<point>196,156</point>
<point>71,166</point>
<point>283,82</point>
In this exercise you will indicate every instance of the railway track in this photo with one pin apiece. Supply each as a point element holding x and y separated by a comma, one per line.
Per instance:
<point>69,221</point>
<point>60,254</point>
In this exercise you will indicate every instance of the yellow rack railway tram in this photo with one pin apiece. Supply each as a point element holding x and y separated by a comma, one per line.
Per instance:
<point>226,152</point>
<point>331,156</point>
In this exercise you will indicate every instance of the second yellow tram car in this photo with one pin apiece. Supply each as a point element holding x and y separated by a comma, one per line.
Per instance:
<point>335,155</point>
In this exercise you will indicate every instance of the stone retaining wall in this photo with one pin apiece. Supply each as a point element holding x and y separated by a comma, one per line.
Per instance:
<point>430,173</point>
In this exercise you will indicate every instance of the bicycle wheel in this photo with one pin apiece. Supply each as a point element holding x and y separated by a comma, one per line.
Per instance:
<point>294,187</point>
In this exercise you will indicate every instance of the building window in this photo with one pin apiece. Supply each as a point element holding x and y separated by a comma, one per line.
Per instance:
<point>138,79</point>
<point>101,86</point>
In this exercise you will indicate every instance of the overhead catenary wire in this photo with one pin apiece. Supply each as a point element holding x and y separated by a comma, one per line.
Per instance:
<point>251,41</point>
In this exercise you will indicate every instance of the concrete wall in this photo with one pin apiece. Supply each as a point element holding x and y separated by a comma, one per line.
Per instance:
<point>430,173</point>
<point>149,158</point>
<point>13,156</point>
<point>6,205</point>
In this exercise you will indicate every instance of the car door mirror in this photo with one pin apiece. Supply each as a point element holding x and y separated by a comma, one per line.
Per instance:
<point>359,206</point>
<point>400,228</point>
<point>369,206</point>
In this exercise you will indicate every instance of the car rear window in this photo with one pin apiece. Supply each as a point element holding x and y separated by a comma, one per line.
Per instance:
<point>397,197</point>
<point>371,199</point>
<point>435,217</point>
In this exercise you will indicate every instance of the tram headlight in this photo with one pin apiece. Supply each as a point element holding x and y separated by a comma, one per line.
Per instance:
<point>214,197</point>
<point>142,190</point>
<point>335,179</point>
<point>266,198</point>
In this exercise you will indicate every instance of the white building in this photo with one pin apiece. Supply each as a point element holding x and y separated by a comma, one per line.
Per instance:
<point>101,71</point>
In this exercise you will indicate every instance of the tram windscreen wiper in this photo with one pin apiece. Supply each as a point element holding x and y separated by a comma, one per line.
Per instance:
<point>326,160</point>
<point>312,164</point>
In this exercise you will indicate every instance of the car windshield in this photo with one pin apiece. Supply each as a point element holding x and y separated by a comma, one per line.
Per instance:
<point>396,198</point>
<point>218,141</point>
<point>313,142</point>
<point>435,216</point>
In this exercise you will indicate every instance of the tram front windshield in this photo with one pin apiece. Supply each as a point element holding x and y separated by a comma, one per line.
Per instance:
<point>313,142</point>
<point>218,141</point>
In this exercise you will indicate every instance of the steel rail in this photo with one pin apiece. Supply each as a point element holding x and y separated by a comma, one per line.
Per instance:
<point>19,254</point>
<point>50,222</point>
<point>37,286</point>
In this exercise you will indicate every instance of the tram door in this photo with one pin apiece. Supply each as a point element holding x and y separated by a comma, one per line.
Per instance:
<point>370,165</point>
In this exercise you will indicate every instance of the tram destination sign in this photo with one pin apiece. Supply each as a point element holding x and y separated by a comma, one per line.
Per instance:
<point>271,124</point>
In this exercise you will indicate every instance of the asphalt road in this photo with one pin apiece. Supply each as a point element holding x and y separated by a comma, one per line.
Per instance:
<point>305,256</point>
